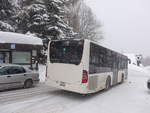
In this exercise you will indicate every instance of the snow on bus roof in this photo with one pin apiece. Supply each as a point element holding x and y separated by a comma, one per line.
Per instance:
<point>16,38</point>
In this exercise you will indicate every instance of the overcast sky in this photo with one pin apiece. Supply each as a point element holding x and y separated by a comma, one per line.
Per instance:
<point>126,24</point>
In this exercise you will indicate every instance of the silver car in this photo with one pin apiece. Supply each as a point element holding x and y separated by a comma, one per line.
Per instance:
<point>13,76</point>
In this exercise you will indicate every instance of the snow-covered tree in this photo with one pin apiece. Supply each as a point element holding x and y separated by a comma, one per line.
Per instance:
<point>6,27</point>
<point>44,18</point>
<point>58,27</point>
<point>7,10</point>
<point>33,18</point>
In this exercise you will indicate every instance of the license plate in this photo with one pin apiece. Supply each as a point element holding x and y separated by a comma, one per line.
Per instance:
<point>62,84</point>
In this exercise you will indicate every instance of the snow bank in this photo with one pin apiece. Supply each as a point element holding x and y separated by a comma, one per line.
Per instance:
<point>147,68</point>
<point>139,69</point>
<point>9,37</point>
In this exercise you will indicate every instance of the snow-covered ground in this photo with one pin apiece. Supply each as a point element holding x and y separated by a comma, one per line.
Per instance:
<point>130,97</point>
<point>148,68</point>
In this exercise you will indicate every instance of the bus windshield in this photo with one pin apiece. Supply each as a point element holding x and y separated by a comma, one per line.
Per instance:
<point>69,52</point>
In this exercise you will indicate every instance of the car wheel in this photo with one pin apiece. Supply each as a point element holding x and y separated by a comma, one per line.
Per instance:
<point>108,83</point>
<point>28,84</point>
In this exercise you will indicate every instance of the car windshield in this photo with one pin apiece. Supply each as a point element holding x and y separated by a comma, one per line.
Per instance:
<point>3,70</point>
<point>69,52</point>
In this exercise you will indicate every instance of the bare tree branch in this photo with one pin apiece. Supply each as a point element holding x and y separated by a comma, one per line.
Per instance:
<point>83,21</point>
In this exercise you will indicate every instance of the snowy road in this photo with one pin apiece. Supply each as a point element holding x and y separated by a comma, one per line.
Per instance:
<point>15,95</point>
<point>130,97</point>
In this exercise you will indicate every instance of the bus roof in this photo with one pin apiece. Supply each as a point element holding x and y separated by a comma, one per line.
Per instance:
<point>77,39</point>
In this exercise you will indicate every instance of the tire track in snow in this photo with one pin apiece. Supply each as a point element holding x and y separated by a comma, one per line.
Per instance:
<point>22,94</point>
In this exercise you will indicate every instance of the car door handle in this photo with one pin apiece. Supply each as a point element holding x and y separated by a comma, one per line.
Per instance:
<point>24,74</point>
<point>8,76</point>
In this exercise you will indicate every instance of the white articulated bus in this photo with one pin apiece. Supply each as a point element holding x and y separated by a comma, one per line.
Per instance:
<point>83,66</point>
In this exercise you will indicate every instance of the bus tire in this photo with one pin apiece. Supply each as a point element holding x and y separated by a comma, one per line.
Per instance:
<point>148,85</point>
<point>108,83</point>
<point>122,78</point>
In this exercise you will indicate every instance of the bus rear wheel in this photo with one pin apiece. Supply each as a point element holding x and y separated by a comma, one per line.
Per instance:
<point>148,85</point>
<point>108,83</point>
<point>122,79</point>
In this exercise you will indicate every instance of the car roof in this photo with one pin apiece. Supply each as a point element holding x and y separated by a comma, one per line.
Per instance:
<point>2,65</point>
<point>5,64</point>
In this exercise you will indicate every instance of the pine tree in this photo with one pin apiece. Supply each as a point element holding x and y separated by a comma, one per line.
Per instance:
<point>6,27</point>
<point>33,18</point>
<point>7,10</point>
<point>57,25</point>
<point>45,18</point>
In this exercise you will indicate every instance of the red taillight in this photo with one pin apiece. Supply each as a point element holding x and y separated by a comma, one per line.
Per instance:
<point>85,76</point>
